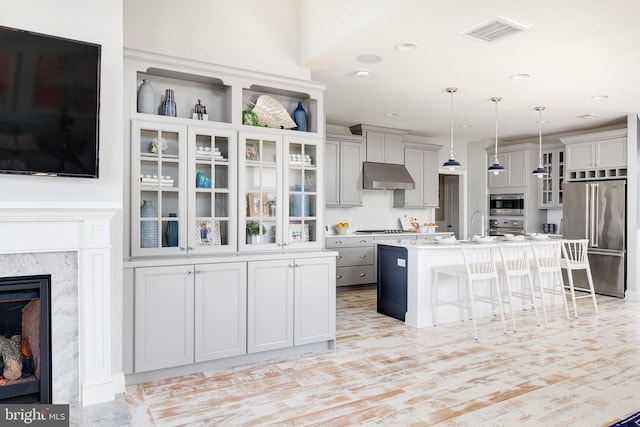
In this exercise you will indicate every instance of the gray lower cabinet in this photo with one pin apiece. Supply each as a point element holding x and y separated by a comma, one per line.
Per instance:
<point>220,311</point>
<point>290,302</point>
<point>191,313</point>
<point>185,314</point>
<point>355,264</point>
<point>163,317</point>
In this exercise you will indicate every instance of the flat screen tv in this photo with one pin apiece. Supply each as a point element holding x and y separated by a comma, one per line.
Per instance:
<point>49,105</point>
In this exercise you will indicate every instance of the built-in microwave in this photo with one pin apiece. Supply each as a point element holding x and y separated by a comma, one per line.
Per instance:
<point>506,204</point>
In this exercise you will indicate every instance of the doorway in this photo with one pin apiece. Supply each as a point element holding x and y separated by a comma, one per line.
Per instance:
<point>452,201</point>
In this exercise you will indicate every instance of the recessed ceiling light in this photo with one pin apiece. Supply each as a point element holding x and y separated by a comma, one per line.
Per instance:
<point>587,116</point>
<point>599,97</point>
<point>369,59</point>
<point>520,76</point>
<point>392,114</point>
<point>406,47</point>
<point>363,74</point>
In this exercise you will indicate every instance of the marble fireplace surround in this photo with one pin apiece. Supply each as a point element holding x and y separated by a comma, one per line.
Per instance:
<point>70,241</point>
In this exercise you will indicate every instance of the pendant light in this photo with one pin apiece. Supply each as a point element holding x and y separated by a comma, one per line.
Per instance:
<point>452,163</point>
<point>496,167</point>
<point>540,171</point>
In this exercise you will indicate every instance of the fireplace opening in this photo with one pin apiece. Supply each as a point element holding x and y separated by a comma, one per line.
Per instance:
<point>25,339</point>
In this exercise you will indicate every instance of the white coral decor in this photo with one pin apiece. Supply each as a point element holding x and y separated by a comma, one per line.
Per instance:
<point>155,143</point>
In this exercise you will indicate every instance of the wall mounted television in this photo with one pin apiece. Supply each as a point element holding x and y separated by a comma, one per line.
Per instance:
<point>49,105</point>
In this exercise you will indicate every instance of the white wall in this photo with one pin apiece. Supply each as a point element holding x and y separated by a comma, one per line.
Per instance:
<point>249,34</point>
<point>96,22</point>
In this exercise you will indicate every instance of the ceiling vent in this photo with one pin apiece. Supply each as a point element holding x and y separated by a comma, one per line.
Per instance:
<point>494,29</point>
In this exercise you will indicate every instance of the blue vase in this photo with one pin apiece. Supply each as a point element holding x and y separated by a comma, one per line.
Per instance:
<point>169,104</point>
<point>171,234</point>
<point>148,229</point>
<point>300,117</point>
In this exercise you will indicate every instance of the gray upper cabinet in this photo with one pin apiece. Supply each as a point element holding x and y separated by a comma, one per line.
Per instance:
<point>343,172</point>
<point>384,145</point>
<point>517,170</point>
<point>422,163</point>
<point>597,155</point>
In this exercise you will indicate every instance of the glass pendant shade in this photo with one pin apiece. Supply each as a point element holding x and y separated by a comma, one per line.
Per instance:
<point>452,163</point>
<point>540,171</point>
<point>496,167</point>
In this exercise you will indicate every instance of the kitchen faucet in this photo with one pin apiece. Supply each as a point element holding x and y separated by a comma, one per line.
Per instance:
<point>473,217</point>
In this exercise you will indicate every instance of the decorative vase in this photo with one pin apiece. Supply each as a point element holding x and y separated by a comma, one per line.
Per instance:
<point>148,229</point>
<point>300,117</point>
<point>172,232</point>
<point>169,104</point>
<point>145,98</point>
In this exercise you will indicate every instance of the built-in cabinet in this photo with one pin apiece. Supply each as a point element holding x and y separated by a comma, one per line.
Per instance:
<point>186,314</point>
<point>550,190</point>
<point>290,302</point>
<point>215,205</point>
<point>182,177</point>
<point>516,171</point>
<point>422,163</point>
<point>384,145</point>
<point>597,155</point>
<point>280,192</point>
<point>344,155</point>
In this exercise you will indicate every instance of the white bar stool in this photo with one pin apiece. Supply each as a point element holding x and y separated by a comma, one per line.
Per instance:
<point>574,257</point>
<point>515,264</point>
<point>479,265</point>
<point>546,256</point>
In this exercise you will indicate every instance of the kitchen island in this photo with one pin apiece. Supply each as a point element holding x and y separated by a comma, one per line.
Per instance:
<point>411,264</point>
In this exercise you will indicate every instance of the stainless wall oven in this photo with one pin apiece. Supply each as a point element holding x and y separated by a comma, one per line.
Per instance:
<point>506,204</point>
<point>501,227</point>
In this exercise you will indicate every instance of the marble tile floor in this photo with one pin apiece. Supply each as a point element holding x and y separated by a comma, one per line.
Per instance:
<point>579,372</point>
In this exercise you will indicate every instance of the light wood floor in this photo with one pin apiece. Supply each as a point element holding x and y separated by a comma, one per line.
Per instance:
<point>582,372</point>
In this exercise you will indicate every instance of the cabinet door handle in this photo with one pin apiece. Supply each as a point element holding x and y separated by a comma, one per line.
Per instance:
<point>338,242</point>
<point>291,265</point>
<point>363,274</point>
<point>189,273</point>
<point>339,257</point>
<point>199,271</point>
<point>297,264</point>
<point>363,241</point>
<point>363,256</point>
<point>191,248</point>
<point>182,248</point>
<point>285,244</point>
<point>339,276</point>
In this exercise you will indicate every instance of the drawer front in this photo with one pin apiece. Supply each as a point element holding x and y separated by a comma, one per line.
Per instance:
<point>355,256</point>
<point>355,275</point>
<point>348,242</point>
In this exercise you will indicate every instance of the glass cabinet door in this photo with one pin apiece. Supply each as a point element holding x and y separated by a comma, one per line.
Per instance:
<point>301,174</point>
<point>260,182</point>
<point>158,181</point>
<point>212,190</point>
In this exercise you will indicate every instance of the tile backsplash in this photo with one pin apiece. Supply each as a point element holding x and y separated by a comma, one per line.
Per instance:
<point>376,212</point>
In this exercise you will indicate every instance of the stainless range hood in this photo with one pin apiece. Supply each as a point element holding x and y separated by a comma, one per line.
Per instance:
<point>386,176</point>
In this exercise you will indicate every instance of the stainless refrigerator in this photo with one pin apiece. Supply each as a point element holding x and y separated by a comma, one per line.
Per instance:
<point>596,211</point>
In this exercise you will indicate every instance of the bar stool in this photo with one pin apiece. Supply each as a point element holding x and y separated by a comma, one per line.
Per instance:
<point>574,257</point>
<point>546,256</point>
<point>515,264</point>
<point>479,265</point>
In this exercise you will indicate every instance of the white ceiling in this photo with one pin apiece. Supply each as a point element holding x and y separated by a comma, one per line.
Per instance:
<point>575,49</point>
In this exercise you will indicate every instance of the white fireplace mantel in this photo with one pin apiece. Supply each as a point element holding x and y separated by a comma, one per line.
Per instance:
<point>83,227</point>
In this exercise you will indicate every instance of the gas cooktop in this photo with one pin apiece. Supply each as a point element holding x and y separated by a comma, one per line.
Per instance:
<point>387,231</point>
